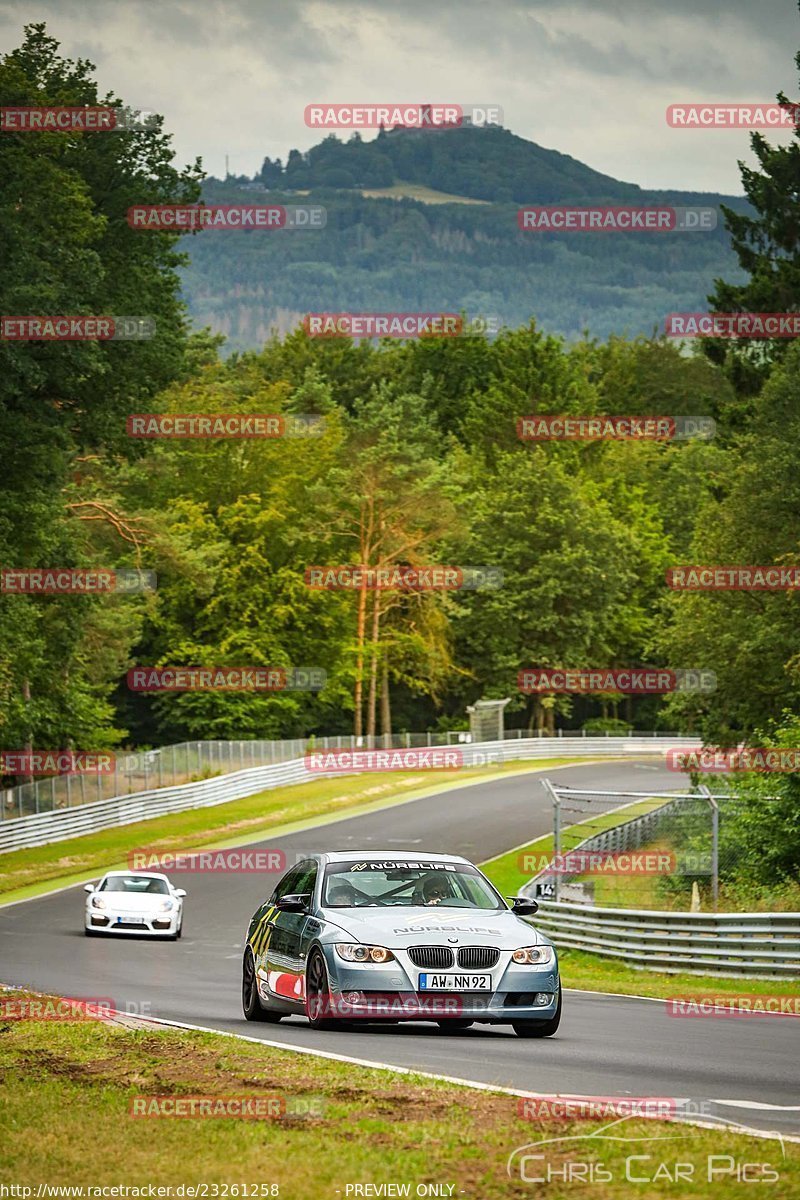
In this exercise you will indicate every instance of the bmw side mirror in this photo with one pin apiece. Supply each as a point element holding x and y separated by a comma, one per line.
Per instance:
<point>523,906</point>
<point>294,902</point>
<point>88,887</point>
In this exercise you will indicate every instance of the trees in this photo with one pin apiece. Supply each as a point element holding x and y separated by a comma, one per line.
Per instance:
<point>393,503</point>
<point>750,638</point>
<point>767,245</point>
<point>67,249</point>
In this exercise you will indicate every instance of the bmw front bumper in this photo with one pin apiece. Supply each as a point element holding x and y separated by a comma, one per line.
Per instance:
<point>375,992</point>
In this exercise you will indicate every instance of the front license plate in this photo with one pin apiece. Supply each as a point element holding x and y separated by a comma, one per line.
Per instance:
<point>455,983</point>
<point>131,921</point>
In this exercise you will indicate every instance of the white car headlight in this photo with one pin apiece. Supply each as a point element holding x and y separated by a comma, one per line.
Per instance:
<point>359,953</point>
<point>165,906</point>
<point>533,956</point>
<point>98,902</point>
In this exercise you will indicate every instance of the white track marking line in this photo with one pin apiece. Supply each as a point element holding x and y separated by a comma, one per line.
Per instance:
<point>475,1084</point>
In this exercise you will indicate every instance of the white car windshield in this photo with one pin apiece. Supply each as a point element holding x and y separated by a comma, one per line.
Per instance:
<point>360,884</point>
<point>135,885</point>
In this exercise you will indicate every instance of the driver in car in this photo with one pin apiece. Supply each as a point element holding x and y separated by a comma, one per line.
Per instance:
<point>435,890</point>
<point>342,893</point>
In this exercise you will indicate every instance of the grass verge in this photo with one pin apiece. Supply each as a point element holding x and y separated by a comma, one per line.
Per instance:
<point>65,1120</point>
<point>506,871</point>
<point>278,811</point>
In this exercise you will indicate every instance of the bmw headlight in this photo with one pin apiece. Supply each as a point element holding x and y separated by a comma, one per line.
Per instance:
<point>533,956</point>
<point>358,953</point>
<point>98,902</point>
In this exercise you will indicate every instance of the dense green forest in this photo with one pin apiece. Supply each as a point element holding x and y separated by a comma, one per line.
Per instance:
<point>416,461</point>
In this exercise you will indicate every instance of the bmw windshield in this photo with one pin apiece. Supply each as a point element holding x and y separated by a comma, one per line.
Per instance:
<point>364,884</point>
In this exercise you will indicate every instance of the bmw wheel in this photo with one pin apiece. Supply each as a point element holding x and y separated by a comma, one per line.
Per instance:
<point>251,1001</point>
<point>318,992</point>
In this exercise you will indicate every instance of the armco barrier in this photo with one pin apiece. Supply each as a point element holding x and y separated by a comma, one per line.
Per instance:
<point>39,829</point>
<point>760,945</point>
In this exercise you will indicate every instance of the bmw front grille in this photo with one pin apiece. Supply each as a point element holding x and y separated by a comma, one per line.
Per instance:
<point>478,958</point>
<point>433,958</point>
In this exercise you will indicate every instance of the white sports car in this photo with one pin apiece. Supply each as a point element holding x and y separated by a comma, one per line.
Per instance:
<point>139,902</point>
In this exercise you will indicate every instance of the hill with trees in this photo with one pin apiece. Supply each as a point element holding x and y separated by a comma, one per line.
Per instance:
<point>384,254</point>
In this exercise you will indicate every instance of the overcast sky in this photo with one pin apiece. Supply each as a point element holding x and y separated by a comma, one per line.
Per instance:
<point>590,78</point>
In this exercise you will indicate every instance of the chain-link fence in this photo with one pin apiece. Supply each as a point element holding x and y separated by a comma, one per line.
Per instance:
<point>636,849</point>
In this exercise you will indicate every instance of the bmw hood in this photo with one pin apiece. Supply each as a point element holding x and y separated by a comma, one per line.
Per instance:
<point>434,926</point>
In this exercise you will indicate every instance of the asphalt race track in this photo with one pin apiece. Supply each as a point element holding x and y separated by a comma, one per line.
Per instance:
<point>607,1045</point>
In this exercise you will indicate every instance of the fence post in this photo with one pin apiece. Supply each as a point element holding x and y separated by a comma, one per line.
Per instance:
<point>556,831</point>
<point>706,791</point>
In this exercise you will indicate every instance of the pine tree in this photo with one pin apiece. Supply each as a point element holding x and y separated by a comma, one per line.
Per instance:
<point>768,248</point>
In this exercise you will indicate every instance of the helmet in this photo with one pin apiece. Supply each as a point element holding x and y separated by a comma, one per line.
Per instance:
<point>435,887</point>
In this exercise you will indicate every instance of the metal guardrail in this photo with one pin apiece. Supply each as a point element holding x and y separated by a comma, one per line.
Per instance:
<point>758,945</point>
<point>186,762</point>
<point>41,828</point>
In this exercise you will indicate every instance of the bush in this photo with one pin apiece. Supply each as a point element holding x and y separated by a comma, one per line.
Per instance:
<point>607,725</point>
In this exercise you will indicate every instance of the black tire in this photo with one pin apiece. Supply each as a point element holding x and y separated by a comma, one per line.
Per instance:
<point>454,1026</point>
<point>318,992</point>
<point>252,1007</point>
<point>538,1029</point>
